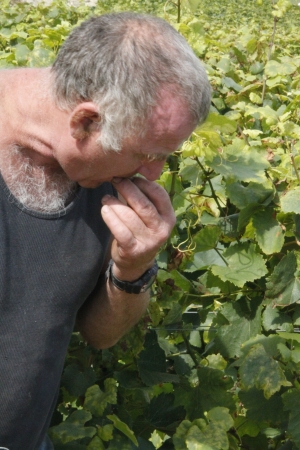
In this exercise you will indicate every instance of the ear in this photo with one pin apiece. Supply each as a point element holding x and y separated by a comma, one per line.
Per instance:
<point>84,120</point>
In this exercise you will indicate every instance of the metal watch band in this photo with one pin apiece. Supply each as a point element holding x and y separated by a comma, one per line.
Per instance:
<point>138,286</point>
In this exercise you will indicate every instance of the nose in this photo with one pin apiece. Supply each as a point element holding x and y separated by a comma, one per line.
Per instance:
<point>151,170</point>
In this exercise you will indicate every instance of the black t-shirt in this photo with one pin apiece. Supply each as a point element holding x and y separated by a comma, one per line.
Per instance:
<point>49,265</point>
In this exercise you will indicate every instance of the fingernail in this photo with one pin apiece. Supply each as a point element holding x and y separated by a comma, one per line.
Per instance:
<point>105,209</point>
<point>106,198</point>
<point>117,180</point>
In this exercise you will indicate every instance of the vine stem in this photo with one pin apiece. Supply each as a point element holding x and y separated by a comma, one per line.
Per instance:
<point>214,195</point>
<point>173,165</point>
<point>178,11</point>
<point>269,54</point>
<point>295,167</point>
<point>221,256</point>
<point>190,350</point>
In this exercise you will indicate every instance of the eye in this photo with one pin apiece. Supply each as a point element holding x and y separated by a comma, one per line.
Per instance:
<point>154,157</point>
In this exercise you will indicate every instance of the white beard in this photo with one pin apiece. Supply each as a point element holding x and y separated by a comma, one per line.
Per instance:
<point>37,187</point>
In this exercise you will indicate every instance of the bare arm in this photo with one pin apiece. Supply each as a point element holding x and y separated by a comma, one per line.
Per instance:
<point>139,229</point>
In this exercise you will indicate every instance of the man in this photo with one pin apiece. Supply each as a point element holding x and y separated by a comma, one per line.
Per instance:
<point>123,94</point>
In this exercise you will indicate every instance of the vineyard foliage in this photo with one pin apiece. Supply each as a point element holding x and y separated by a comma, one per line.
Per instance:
<point>215,364</point>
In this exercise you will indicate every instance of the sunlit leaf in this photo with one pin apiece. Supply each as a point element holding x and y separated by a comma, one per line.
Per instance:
<point>283,286</point>
<point>290,202</point>
<point>244,264</point>
<point>269,233</point>
<point>218,123</point>
<point>240,163</point>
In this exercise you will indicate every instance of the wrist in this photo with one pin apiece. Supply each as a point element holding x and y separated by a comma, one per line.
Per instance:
<point>136,286</point>
<point>130,273</point>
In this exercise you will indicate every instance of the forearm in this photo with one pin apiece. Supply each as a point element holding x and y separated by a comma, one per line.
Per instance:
<point>109,314</point>
<point>139,228</point>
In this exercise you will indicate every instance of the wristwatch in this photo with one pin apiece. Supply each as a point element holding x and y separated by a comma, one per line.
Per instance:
<point>138,286</point>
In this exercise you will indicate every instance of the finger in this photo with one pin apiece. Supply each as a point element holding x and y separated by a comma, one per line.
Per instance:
<point>120,231</point>
<point>125,245</point>
<point>126,215</point>
<point>143,237</point>
<point>140,204</point>
<point>148,199</point>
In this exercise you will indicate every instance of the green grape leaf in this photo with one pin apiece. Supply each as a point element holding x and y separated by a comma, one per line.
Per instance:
<point>229,225</point>
<point>269,343</point>
<point>231,84</point>
<point>242,321</point>
<point>211,438</point>
<point>21,53</point>
<point>246,215</point>
<point>162,412</point>
<point>73,428</point>
<point>193,4</point>
<point>259,408</point>
<point>213,391</point>
<point>263,112</point>
<point>289,336</point>
<point>268,232</point>
<point>240,163</point>
<point>283,286</point>
<point>290,202</point>
<point>255,98</point>
<point>207,238</point>
<point>77,382</point>
<point>211,137</point>
<point>96,400</point>
<point>224,65</point>
<point>254,193</point>
<point>179,438</point>
<point>152,363</point>
<point>260,370</point>
<point>244,264</point>
<point>256,67</point>
<point>276,319</point>
<point>274,68</point>
<point>202,260</point>
<point>246,426</point>
<point>200,435</point>
<point>40,56</point>
<point>123,427</point>
<point>291,401</point>
<point>221,416</point>
<point>105,433</point>
<point>216,122</point>
<point>121,442</point>
<point>183,364</point>
<point>95,444</point>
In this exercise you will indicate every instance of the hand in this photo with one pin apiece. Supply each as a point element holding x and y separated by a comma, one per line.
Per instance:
<point>140,227</point>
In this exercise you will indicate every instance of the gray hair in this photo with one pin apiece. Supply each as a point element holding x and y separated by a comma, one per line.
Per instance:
<point>121,62</point>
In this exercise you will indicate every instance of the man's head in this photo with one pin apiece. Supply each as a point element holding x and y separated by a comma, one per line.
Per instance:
<point>124,63</point>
